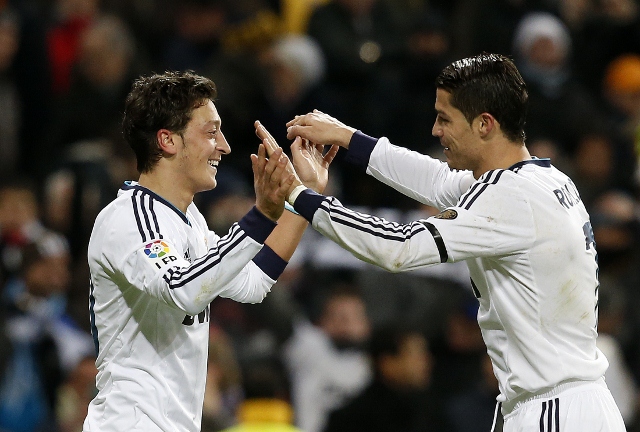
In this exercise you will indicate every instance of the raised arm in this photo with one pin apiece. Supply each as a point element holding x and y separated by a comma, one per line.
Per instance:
<point>314,174</point>
<point>416,175</point>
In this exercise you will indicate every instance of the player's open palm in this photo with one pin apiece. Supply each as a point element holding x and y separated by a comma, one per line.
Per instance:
<point>271,181</point>
<point>311,163</point>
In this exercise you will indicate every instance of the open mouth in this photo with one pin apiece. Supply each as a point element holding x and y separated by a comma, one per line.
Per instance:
<point>213,163</point>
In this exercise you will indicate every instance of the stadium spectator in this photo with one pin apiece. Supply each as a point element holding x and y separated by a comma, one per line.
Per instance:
<point>9,97</point>
<point>326,360</point>
<point>621,88</point>
<point>560,109</point>
<point>474,409</point>
<point>266,406</point>
<point>195,41</point>
<point>397,399</point>
<point>20,223</point>
<point>45,345</point>
<point>70,18</point>
<point>223,391</point>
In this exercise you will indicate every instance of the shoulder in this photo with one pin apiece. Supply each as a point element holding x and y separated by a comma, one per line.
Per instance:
<point>494,185</point>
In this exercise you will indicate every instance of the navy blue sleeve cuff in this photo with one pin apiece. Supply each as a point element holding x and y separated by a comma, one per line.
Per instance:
<point>270,262</point>
<point>256,225</point>
<point>360,148</point>
<point>307,203</point>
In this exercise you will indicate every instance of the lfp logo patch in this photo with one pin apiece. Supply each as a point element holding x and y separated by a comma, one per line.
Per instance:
<point>156,249</point>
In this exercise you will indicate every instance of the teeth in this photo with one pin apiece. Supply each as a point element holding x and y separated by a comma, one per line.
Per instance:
<point>213,163</point>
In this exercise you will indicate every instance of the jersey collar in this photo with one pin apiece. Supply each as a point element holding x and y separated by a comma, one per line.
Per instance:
<point>544,162</point>
<point>131,185</point>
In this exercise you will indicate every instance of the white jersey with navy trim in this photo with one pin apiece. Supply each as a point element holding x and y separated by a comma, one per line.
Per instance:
<point>528,243</point>
<point>154,271</point>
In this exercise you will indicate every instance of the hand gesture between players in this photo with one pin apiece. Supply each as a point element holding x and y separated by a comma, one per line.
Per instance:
<point>320,128</point>
<point>311,165</point>
<point>271,181</point>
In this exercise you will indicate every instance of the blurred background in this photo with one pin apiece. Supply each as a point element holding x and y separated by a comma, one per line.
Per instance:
<point>338,344</point>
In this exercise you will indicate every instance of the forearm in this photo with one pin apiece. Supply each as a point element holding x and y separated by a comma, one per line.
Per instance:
<point>413,174</point>
<point>287,235</point>
<point>191,286</point>
<point>389,245</point>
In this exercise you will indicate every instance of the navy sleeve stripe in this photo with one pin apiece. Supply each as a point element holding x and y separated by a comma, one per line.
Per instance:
<point>374,220</point>
<point>145,213</point>
<point>375,233</point>
<point>270,262</point>
<point>385,227</point>
<point>155,219</point>
<point>468,194</point>
<point>134,201</point>
<point>372,225</point>
<point>178,279</point>
<point>143,204</point>
<point>227,243</point>
<point>475,197</point>
<point>489,178</point>
<point>442,250</point>
<point>92,318</point>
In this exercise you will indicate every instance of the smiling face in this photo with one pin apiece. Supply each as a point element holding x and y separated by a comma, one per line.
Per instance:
<point>201,146</point>
<point>461,143</point>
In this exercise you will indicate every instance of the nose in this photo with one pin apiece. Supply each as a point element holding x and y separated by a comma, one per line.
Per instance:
<point>222,144</point>
<point>436,130</point>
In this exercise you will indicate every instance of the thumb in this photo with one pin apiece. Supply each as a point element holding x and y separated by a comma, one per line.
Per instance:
<point>296,145</point>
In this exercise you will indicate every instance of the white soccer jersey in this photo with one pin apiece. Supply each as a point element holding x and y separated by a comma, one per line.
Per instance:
<point>526,238</point>
<point>154,271</point>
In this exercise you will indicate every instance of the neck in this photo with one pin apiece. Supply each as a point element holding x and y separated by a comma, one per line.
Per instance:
<point>503,156</point>
<point>167,187</point>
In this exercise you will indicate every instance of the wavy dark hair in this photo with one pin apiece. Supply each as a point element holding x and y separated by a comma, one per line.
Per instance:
<point>161,101</point>
<point>488,83</point>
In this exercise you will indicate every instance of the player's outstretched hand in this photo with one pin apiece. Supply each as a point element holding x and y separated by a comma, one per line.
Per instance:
<point>271,181</point>
<point>320,128</point>
<point>271,145</point>
<point>311,166</point>
<point>311,163</point>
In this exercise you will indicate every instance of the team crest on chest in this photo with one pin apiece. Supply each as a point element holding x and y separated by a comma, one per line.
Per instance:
<point>447,214</point>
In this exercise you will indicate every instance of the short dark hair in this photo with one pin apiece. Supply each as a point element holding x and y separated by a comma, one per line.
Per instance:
<point>161,101</point>
<point>387,340</point>
<point>488,83</point>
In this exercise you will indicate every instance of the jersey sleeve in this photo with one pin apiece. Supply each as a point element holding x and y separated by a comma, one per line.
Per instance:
<point>490,220</point>
<point>394,247</point>
<point>159,268</point>
<point>413,174</point>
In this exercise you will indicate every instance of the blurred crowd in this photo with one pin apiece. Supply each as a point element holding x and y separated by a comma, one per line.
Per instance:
<point>338,345</point>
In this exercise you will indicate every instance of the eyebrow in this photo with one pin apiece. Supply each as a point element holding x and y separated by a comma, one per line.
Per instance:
<point>216,123</point>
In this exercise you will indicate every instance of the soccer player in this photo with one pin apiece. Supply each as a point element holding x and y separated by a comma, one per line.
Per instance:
<point>517,221</point>
<point>155,266</point>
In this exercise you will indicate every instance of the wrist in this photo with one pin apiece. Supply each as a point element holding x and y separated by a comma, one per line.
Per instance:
<point>295,192</point>
<point>347,135</point>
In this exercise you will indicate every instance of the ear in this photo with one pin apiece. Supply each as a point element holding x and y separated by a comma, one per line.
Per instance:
<point>486,124</point>
<point>164,137</point>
